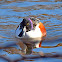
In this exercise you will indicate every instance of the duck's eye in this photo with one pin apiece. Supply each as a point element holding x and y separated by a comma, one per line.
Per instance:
<point>27,23</point>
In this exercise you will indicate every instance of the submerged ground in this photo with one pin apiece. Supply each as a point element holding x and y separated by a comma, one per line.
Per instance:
<point>50,14</point>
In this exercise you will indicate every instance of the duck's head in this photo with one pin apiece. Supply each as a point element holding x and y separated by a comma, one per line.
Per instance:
<point>29,23</point>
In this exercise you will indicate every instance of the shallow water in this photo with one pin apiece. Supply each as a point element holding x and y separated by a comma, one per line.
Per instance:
<point>11,14</point>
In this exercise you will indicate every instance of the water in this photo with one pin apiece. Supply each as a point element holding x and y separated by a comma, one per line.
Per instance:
<point>11,14</point>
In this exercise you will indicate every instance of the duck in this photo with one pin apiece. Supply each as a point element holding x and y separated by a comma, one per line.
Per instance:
<point>30,27</point>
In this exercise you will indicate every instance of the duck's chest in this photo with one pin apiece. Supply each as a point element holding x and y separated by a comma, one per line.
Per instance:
<point>34,33</point>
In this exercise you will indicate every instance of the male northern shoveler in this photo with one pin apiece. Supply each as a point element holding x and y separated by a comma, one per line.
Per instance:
<point>30,28</point>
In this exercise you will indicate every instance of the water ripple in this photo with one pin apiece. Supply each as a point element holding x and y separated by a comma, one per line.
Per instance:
<point>50,14</point>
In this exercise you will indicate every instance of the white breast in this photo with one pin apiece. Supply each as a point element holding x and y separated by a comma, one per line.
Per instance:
<point>34,33</point>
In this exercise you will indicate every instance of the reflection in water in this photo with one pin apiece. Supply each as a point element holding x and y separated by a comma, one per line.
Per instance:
<point>27,52</point>
<point>26,49</point>
<point>28,45</point>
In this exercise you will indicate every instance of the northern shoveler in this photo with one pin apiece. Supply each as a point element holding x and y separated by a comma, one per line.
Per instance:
<point>30,28</point>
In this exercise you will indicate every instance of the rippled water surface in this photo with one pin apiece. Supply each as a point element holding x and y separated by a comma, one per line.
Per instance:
<point>50,14</point>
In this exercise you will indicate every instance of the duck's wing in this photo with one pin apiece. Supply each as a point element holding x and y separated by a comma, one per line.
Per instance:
<point>19,31</point>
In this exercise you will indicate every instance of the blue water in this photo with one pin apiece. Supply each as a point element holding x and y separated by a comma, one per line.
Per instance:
<point>11,14</point>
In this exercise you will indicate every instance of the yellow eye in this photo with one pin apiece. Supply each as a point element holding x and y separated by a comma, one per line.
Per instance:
<point>27,23</point>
